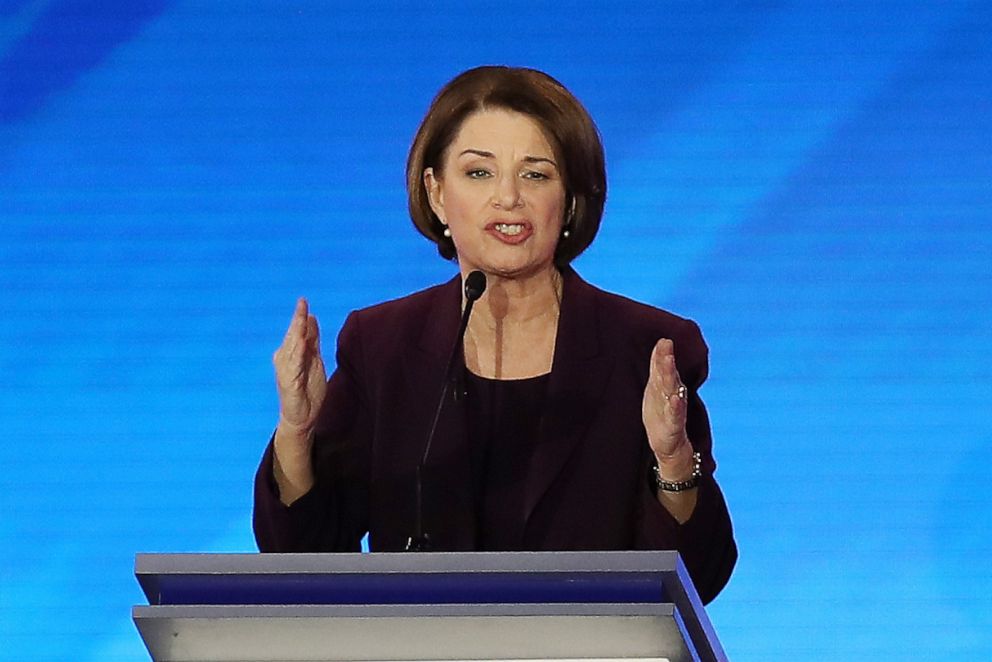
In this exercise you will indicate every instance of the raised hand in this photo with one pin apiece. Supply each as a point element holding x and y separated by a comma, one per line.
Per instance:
<point>664,411</point>
<point>302,383</point>
<point>665,404</point>
<point>300,375</point>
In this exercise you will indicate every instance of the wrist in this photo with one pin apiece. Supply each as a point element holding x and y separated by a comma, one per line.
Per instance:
<point>292,467</point>
<point>293,443</point>
<point>678,462</point>
<point>677,471</point>
<point>293,430</point>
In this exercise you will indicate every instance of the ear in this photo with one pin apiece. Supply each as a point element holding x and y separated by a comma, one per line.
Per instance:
<point>435,196</point>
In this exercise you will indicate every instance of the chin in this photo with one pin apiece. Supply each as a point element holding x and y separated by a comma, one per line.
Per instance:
<point>511,271</point>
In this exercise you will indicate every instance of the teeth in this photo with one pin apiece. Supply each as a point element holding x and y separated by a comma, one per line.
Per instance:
<point>510,229</point>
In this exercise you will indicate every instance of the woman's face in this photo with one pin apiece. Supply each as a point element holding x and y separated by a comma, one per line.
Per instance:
<point>500,192</point>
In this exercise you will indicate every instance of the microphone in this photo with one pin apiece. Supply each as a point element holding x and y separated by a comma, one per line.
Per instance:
<point>475,285</point>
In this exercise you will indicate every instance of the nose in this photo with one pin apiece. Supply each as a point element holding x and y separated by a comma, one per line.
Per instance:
<point>507,192</point>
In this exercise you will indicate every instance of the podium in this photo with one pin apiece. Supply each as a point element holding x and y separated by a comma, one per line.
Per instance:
<point>590,606</point>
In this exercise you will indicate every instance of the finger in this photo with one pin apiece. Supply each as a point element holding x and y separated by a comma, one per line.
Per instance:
<point>296,333</point>
<point>655,386</point>
<point>677,408</point>
<point>316,375</point>
<point>658,354</point>
<point>309,346</point>
<point>663,348</point>
<point>663,363</point>
<point>297,323</point>
<point>301,314</point>
<point>313,334</point>
<point>670,375</point>
<point>669,383</point>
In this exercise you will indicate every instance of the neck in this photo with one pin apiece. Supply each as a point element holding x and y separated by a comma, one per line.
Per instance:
<point>512,331</point>
<point>519,301</point>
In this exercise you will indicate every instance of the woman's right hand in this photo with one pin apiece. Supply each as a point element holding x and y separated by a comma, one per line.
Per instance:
<point>302,383</point>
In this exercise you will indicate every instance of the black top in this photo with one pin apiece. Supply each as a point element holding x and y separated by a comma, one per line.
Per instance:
<point>504,419</point>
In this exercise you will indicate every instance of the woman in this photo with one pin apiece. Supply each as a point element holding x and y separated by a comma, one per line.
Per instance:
<point>575,424</point>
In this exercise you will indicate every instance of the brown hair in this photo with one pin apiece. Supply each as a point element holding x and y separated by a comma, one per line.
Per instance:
<point>565,122</point>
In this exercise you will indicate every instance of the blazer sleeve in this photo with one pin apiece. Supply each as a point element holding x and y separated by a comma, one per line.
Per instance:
<point>706,540</point>
<point>333,515</point>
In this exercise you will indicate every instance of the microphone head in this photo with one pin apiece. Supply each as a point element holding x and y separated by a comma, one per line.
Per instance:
<point>475,285</point>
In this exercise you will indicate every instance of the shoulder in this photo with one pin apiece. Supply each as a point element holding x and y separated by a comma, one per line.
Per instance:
<point>620,316</point>
<point>625,327</point>
<point>405,321</point>
<point>409,307</point>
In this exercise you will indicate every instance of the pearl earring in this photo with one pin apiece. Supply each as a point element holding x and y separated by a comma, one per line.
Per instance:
<point>568,221</point>
<point>447,231</point>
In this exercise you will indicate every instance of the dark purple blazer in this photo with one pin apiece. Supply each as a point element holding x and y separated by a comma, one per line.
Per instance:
<point>587,487</point>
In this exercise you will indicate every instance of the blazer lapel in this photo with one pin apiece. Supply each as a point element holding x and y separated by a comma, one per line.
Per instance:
<point>579,372</point>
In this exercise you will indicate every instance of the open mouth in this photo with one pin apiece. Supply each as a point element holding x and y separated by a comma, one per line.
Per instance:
<point>509,229</point>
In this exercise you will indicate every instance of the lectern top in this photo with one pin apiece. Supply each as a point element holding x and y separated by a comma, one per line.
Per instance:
<point>438,562</point>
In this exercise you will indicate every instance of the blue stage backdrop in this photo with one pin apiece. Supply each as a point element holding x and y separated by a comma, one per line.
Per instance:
<point>810,180</point>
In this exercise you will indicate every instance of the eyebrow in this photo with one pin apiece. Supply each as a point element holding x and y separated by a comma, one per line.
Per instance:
<point>489,155</point>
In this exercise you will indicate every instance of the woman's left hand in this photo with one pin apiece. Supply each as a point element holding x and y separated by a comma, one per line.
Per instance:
<point>665,403</point>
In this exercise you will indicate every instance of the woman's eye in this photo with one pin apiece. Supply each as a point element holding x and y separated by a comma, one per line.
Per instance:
<point>477,173</point>
<point>534,174</point>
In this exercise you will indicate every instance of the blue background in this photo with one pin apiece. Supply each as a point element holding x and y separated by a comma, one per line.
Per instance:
<point>810,181</point>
